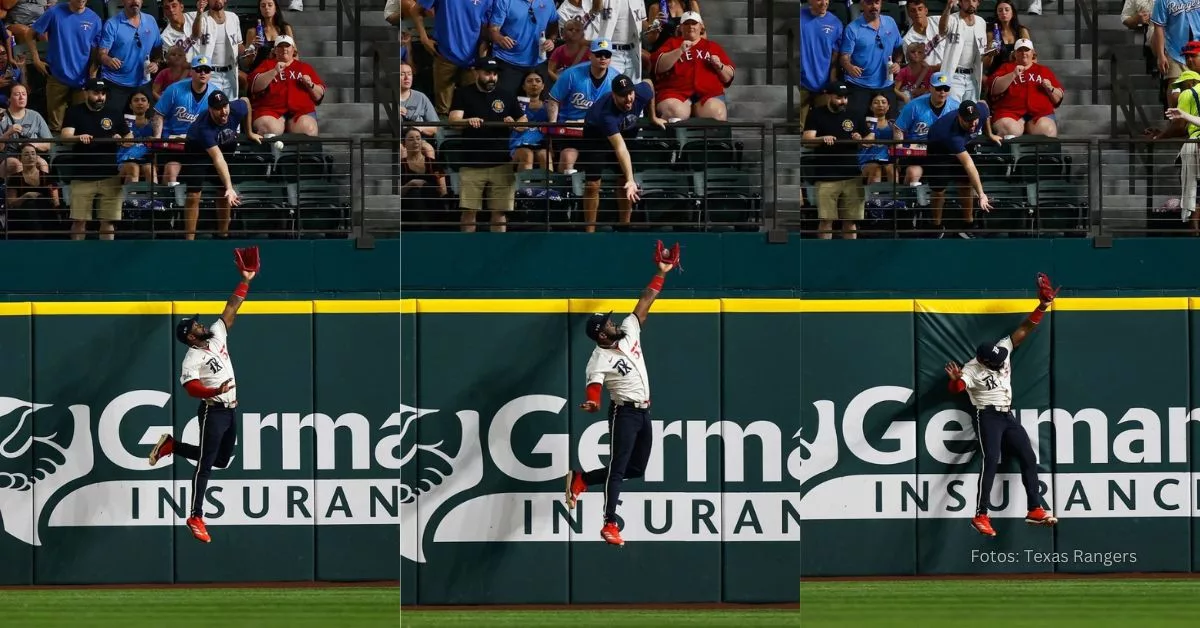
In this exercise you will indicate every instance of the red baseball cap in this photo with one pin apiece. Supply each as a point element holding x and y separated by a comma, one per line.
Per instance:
<point>1191,48</point>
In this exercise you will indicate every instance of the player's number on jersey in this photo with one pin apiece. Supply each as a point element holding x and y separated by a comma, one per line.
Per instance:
<point>989,382</point>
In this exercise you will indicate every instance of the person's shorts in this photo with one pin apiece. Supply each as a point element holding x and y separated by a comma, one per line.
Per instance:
<point>862,163</point>
<point>1024,117</point>
<point>843,199</point>
<point>84,193</point>
<point>564,142</point>
<point>24,13</point>
<point>687,97</point>
<point>596,156</point>
<point>533,147</point>
<point>943,171</point>
<point>198,172</point>
<point>499,183</point>
<point>282,114</point>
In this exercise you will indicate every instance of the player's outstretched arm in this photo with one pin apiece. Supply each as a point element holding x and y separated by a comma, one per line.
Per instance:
<point>651,292</point>
<point>236,299</point>
<point>1046,296</point>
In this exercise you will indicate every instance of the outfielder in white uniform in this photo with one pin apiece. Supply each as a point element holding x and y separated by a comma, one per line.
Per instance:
<point>618,364</point>
<point>987,380</point>
<point>207,374</point>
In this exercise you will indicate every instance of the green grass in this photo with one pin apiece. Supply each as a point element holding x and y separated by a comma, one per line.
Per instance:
<point>1155,603</point>
<point>342,607</point>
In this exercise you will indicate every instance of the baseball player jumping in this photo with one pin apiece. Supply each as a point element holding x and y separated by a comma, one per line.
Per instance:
<point>618,363</point>
<point>987,379</point>
<point>207,374</point>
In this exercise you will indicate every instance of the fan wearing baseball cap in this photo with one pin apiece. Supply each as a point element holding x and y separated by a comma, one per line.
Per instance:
<point>949,162</point>
<point>1025,95</point>
<point>93,173</point>
<point>613,119</point>
<point>213,135</point>
<point>692,73</point>
<point>285,92</point>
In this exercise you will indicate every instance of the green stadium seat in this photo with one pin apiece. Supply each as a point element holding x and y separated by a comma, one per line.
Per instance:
<point>728,196</point>
<point>666,197</point>
<point>262,211</point>
<point>707,144</point>
<point>544,197</point>
<point>319,207</point>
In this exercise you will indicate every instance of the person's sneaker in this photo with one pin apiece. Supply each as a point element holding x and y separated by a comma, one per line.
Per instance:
<point>1039,517</point>
<point>164,447</point>
<point>199,530</point>
<point>983,525</point>
<point>611,534</point>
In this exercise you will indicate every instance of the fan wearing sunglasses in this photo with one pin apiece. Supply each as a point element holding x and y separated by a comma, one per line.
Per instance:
<point>522,33</point>
<point>871,51</point>
<point>128,43</point>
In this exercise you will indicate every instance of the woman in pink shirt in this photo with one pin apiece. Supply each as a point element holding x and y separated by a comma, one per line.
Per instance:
<point>574,51</point>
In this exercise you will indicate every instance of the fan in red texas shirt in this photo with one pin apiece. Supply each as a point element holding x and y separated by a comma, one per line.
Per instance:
<point>691,74</point>
<point>285,92</point>
<point>1024,95</point>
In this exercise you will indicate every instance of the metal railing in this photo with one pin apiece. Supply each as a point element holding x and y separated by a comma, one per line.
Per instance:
<point>1087,14</point>
<point>386,95</point>
<point>351,11</point>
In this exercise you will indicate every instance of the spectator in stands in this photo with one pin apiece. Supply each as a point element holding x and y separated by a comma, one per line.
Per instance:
<point>574,11</point>
<point>176,70</point>
<point>177,28</point>
<point>1191,61</point>
<point>423,189</point>
<point>621,24</point>
<point>577,90</point>
<point>575,50</point>
<point>913,79</point>
<point>128,42</point>
<point>522,32</point>
<point>460,27</point>
<point>20,20</point>
<point>1025,95</point>
<point>20,126</point>
<point>1172,30</point>
<point>134,159</point>
<point>968,48</point>
<point>73,31</point>
<point>93,175</point>
<point>1189,153</point>
<point>949,162</point>
<point>833,164</point>
<point>211,137</point>
<point>11,73</point>
<point>913,125</point>
<point>1135,15</point>
<point>530,144</point>
<point>180,106</point>
<point>31,195</point>
<point>273,25</point>
<point>415,106</point>
<point>922,31</point>
<point>1011,30</point>
<point>870,51</point>
<point>285,93</point>
<point>874,159</point>
<point>219,39</point>
<point>820,39</point>
<point>610,122</point>
<point>663,26</point>
<point>692,74</point>
<point>489,167</point>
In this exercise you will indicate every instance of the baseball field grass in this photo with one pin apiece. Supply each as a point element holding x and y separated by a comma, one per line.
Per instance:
<point>341,607</point>
<point>1073,603</point>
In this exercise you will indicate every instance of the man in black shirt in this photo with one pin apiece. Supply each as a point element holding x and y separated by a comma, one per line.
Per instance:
<point>488,164</point>
<point>833,163</point>
<point>93,165</point>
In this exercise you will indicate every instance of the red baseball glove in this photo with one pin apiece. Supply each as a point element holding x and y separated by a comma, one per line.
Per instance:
<point>247,259</point>
<point>663,255</point>
<point>1046,292</point>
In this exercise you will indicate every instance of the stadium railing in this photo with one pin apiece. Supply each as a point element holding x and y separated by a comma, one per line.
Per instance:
<point>290,187</point>
<point>697,175</point>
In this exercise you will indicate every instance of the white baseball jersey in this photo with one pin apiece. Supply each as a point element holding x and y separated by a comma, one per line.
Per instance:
<point>986,387</point>
<point>211,365</point>
<point>622,369</point>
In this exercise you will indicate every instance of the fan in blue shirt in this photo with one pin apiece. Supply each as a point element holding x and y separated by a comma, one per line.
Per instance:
<point>948,138</point>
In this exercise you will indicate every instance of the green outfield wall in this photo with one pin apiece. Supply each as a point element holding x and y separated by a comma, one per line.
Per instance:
<point>793,438</point>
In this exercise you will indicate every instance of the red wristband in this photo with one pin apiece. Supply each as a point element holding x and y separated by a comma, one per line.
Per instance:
<point>242,289</point>
<point>656,284</point>
<point>1035,317</point>
<point>957,385</point>
<point>593,393</point>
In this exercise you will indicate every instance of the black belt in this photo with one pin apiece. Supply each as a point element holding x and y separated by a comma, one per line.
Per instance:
<point>224,68</point>
<point>997,408</point>
<point>622,46</point>
<point>220,404</point>
<point>964,70</point>
<point>640,405</point>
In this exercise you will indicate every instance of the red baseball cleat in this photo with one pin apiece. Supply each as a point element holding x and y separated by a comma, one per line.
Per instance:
<point>983,525</point>
<point>575,486</point>
<point>196,525</point>
<point>165,446</point>
<point>611,534</point>
<point>1039,517</point>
